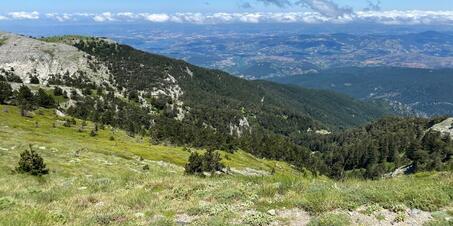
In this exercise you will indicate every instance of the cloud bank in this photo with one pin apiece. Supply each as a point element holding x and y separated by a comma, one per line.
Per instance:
<point>329,15</point>
<point>23,15</point>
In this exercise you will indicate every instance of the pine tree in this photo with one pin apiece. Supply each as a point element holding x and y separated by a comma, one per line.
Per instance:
<point>195,164</point>
<point>57,91</point>
<point>44,99</point>
<point>25,99</point>
<point>34,80</point>
<point>5,92</point>
<point>32,163</point>
<point>211,161</point>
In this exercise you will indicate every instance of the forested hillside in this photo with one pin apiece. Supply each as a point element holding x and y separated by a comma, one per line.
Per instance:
<point>176,103</point>
<point>425,92</point>
<point>384,146</point>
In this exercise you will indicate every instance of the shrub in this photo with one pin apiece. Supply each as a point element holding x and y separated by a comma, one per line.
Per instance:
<point>211,161</point>
<point>34,80</point>
<point>195,164</point>
<point>67,123</point>
<point>11,77</point>
<point>57,91</point>
<point>45,100</point>
<point>208,162</point>
<point>32,163</point>
<point>257,219</point>
<point>74,94</point>
<point>87,92</point>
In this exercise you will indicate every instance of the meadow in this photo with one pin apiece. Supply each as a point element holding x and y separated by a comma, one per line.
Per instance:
<point>115,179</point>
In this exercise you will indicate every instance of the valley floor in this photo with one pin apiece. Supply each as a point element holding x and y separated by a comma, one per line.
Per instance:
<point>102,181</point>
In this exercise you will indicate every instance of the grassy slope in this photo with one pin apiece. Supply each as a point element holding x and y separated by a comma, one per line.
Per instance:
<point>104,183</point>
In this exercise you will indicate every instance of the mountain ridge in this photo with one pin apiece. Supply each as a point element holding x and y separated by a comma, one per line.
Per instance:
<point>176,103</point>
<point>185,70</point>
<point>421,92</point>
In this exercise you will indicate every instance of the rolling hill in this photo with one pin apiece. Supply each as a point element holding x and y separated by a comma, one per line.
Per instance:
<point>423,92</point>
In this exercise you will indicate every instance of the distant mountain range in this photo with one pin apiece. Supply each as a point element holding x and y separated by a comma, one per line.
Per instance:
<point>423,92</point>
<point>257,55</point>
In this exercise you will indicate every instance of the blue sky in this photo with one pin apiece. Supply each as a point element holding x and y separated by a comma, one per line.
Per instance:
<point>171,6</point>
<point>389,12</point>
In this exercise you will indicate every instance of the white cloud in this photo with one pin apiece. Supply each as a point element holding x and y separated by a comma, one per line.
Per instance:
<point>103,17</point>
<point>251,17</point>
<point>194,18</point>
<point>128,15</point>
<point>158,18</point>
<point>412,17</point>
<point>24,15</point>
<point>60,17</point>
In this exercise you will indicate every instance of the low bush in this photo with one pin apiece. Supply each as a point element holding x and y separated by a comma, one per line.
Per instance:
<point>208,162</point>
<point>32,163</point>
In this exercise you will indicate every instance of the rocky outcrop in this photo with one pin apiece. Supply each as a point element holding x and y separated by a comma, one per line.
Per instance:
<point>445,127</point>
<point>26,56</point>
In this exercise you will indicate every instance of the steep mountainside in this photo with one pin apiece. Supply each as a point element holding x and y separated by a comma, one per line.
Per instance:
<point>196,92</point>
<point>173,102</point>
<point>424,92</point>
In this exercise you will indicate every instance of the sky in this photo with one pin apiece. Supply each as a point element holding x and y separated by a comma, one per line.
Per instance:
<point>172,6</point>
<point>424,12</point>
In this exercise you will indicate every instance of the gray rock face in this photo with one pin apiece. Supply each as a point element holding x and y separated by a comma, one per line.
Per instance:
<point>445,127</point>
<point>31,56</point>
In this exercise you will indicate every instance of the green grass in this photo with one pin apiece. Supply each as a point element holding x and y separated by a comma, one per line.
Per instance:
<point>95,181</point>
<point>68,39</point>
<point>63,39</point>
